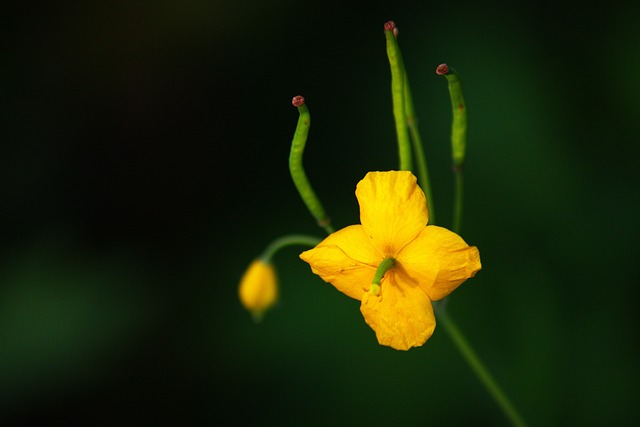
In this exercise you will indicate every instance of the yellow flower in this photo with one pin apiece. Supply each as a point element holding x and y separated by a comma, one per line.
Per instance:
<point>258,288</point>
<point>421,263</point>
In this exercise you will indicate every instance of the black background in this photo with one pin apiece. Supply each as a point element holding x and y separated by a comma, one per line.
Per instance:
<point>144,164</point>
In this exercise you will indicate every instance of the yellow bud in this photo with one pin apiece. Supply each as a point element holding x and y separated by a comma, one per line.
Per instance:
<point>258,288</point>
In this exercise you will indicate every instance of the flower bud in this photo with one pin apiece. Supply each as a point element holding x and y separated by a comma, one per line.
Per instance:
<point>258,289</point>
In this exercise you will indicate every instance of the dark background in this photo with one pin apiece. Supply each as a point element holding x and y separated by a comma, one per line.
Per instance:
<point>143,165</point>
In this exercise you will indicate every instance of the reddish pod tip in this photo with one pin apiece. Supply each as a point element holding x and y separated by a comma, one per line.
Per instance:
<point>389,26</point>
<point>442,69</point>
<point>297,100</point>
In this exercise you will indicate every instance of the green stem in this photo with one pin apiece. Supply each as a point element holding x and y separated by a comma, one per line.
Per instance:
<point>296,167</point>
<point>421,159</point>
<point>288,240</point>
<point>397,94</point>
<point>459,200</point>
<point>458,148</point>
<point>481,371</point>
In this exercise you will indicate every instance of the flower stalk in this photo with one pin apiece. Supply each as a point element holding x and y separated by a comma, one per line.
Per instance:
<point>458,150</point>
<point>478,367</point>
<point>288,240</point>
<point>416,139</point>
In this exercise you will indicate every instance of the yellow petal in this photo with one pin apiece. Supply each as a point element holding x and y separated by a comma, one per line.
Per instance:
<point>401,315</point>
<point>438,261</point>
<point>258,289</point>
<point>393,209</point>
<point>346,259</point>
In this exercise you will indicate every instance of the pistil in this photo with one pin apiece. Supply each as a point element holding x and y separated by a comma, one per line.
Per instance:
<point>384,266</point>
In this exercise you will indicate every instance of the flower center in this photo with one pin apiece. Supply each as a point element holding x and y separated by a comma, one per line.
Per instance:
<point>384,266</point>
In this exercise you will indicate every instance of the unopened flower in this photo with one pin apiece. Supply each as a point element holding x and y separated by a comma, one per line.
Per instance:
<point>394,263</point>
<point>258,288</point>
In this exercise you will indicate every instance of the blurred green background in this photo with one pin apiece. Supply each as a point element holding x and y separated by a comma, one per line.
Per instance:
<point>144,164</point>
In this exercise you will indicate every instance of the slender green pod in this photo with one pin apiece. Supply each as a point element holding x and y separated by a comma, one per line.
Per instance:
<point>458,138</point>
<point>459,112</point>
<point>397,95</point>
<point>296,167</point>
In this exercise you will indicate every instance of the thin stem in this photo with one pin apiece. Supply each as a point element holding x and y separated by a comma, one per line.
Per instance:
<point>288,240</point>
<point>421,159</point>
<point>459,200</point>
<point>296,167</point>
<point>458,148</point>
<point>397,95</point>
<point>481,371</point>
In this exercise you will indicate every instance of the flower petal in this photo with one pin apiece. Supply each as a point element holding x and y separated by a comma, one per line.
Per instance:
<point>393,209</point>
<point>346,259</point>
<point>402,315</point>
<point>438,261</point>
